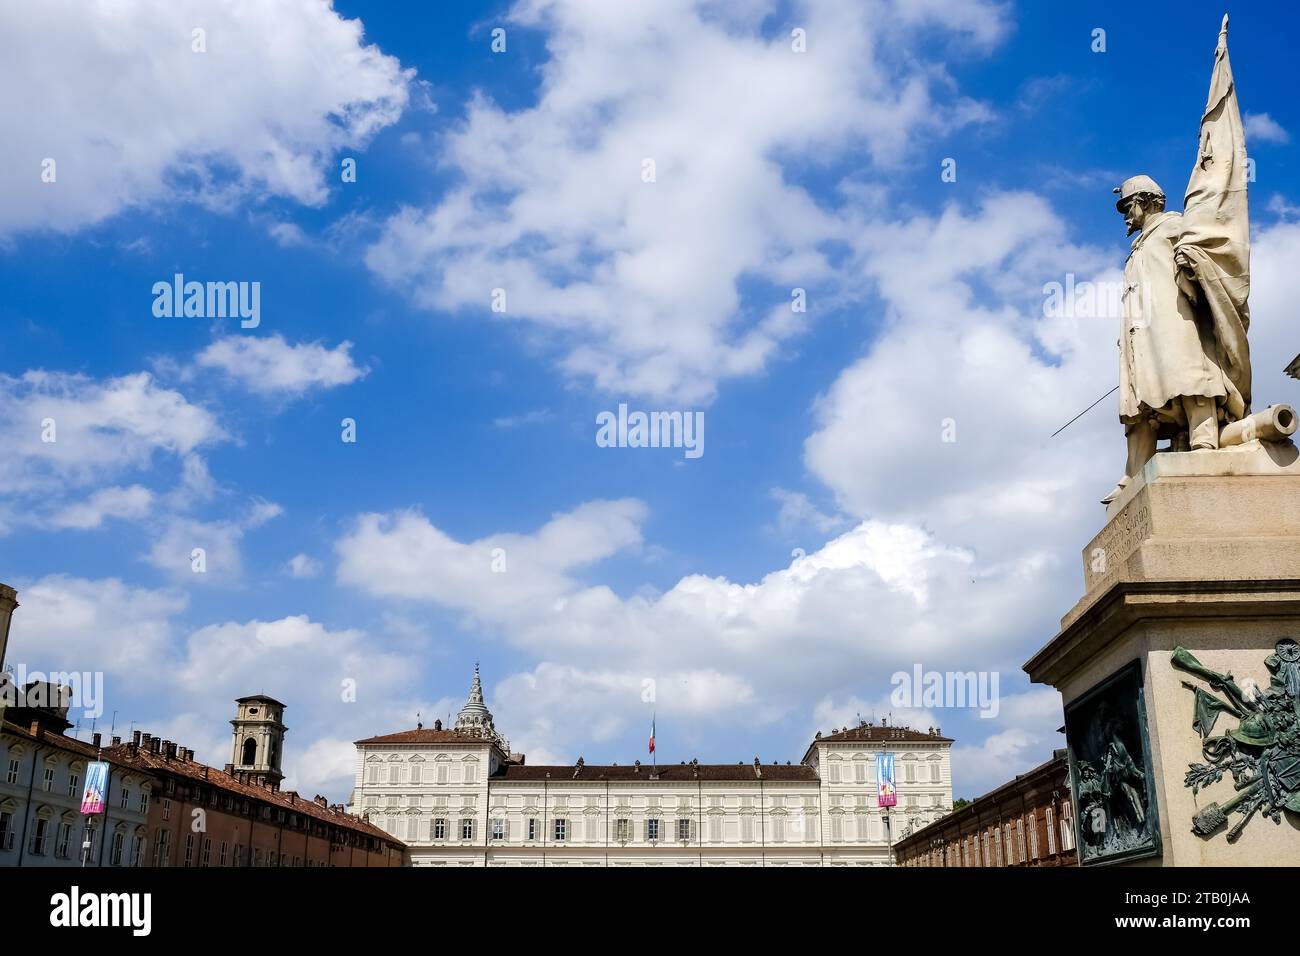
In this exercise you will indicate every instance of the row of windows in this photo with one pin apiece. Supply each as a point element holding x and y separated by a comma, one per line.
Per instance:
<point>51,837</point>
<point>838,772</point>
<point>779,827</point>
<point>415,773</point>
<point>72,786</point>
<point>1012,843</point>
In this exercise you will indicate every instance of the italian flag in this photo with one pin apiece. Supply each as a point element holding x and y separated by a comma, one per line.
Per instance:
<point>652,735</point>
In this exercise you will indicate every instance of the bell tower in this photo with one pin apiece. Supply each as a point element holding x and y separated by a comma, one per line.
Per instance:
<point>258,741</point>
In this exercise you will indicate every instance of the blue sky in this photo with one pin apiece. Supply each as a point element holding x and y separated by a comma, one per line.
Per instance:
<point>522,170</point>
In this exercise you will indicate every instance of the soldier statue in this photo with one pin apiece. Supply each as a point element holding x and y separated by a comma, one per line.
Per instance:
<point>1184,361</point>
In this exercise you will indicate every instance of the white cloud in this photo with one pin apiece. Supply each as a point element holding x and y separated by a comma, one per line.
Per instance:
<point>403,555</point>
<point>288,234</point>
<point>1024,736</point>
<point>870,601</point>
<point>334,683</point>
<point>535,417</point>
<point>74,624</point>
<point>180,537</point>
<point>303,566</point>
<point>798,513</point>
<point>1262,128</point>
<point>639,283</point>
<point>114,502</point>
<point>63,433</point>
<point>267,365</point>
<point>280,89</point>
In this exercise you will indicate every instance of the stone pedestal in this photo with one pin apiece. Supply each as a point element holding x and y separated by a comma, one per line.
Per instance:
<point>1201,551</point>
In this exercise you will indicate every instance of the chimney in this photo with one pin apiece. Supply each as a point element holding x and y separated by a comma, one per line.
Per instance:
<point>145,741</point>
<point>117,741</point>
<point>94,740</point>
<point>135,741</point>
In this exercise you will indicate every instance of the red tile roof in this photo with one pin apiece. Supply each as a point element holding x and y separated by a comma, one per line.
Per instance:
<point>426,736</point>
<point>875,734</point>
<point>126,755</point>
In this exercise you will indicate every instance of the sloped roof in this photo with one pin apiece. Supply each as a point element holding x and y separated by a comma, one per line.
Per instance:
<point>125,755</point>
<point>423,735</point>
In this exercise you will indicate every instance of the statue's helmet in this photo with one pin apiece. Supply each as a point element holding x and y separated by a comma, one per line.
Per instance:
<point>1134,186</point>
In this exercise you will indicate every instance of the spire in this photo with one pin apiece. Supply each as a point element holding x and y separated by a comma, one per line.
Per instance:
<point>474,719</point>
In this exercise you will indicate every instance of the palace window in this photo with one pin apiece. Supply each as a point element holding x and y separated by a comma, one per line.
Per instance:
<point>115,853</point>
<point>64,839</point>
<point>652,829</point>
<point>74,784</point>
<point>467,828</point>
<point>1067,827</point>
<point>47,784</point>
<point>440,828</point>
<point>144,801</point>
<point>41,836</point>
<point>125,798</point>
<point>207,851</point>
<point>498,828</point>
<point>622,830</point>
<point>1051,831</point>
<point>683,828</point>
<point>189,849</point>
<point>12,775</point>
<point>137,849</point>
<point>561,829</point>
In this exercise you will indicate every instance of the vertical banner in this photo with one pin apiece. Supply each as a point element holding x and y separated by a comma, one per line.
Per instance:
<point>92,800</point>
<point>885,780</point>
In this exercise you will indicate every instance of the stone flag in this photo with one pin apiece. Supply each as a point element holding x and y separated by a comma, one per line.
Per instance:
<point>1215,229</point>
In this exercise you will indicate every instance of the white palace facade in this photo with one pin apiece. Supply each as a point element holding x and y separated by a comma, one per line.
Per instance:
<point>459,797</point>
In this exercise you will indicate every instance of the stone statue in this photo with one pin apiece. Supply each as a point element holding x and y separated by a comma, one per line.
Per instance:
<point>1184,361</point>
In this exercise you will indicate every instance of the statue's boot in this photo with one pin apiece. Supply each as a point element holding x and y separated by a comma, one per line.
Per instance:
<point>1116,491</point>
<point>1202,422</point>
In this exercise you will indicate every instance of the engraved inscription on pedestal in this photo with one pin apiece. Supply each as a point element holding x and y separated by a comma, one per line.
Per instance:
<point>1105,555</point>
